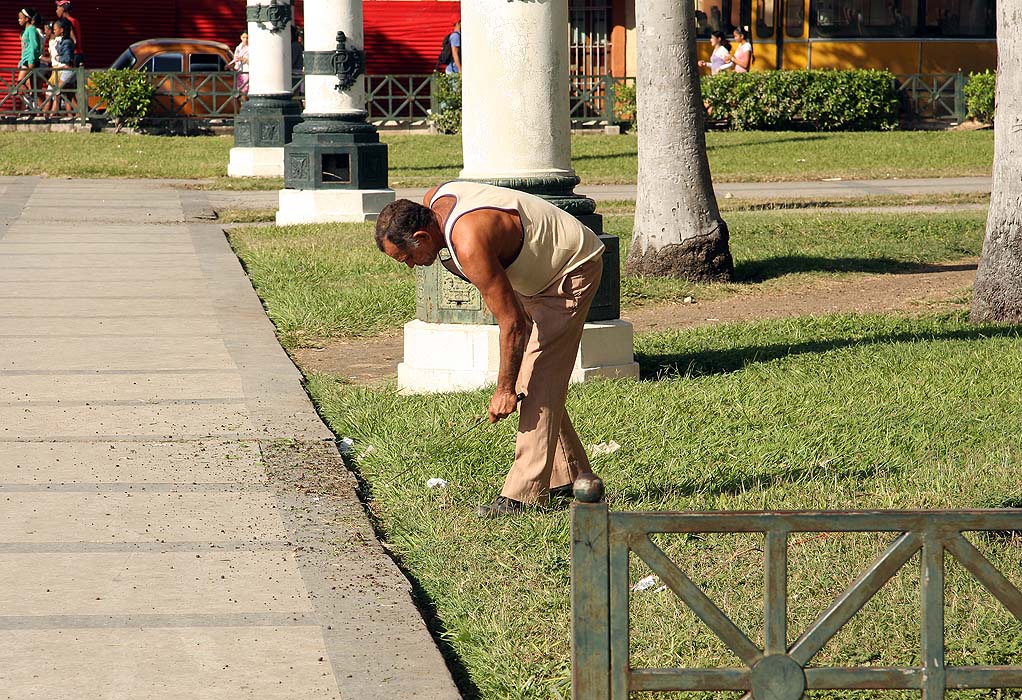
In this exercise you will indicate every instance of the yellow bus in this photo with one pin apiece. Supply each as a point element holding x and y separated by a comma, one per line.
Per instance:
<point>902,36</point>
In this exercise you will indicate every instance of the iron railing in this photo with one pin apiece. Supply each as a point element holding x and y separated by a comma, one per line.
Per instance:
<point>399,100</point>
<point>602,543</point>
<point>934,96</point>
<point>593,98</point>
<point>212,96</point>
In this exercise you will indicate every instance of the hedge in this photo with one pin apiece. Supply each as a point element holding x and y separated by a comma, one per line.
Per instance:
<point>979,96</point>
<point>818,100</point>
<point>815,100</point>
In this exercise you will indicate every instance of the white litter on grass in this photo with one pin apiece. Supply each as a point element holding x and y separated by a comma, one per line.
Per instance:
<point>346,446</point>
<point>367,451</point>
<point>604,448</point>
<point>436,484</point>
<point>645,583</point>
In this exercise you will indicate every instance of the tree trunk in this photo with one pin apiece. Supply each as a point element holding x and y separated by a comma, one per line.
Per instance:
<point>997,295</point>
<point>678,229</point>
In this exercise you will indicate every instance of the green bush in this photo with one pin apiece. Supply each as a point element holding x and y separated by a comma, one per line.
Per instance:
<point>446,113</point>
<point>817,100</point>
<point>624,103</point>
<point>979,96</point>
<point>128,94</point>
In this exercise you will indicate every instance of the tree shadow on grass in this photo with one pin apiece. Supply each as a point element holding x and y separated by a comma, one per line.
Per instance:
<point>767,142</point>
<point>752,271</point>
<point>710,362</point>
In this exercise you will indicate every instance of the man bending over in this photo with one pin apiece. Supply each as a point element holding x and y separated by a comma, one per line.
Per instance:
<point>538,269</point>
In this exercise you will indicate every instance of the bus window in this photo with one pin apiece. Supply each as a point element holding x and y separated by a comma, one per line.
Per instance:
<point>794,18</point>
<point>764,18</point>
<point>960,18</point>
<point>717,16</point>
<point>856,19</point>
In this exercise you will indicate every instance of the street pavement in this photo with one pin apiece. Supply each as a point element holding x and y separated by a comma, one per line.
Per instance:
<point>177,521</point>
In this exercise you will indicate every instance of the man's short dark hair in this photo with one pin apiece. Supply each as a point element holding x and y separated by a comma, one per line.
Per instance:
<point>399,221</point>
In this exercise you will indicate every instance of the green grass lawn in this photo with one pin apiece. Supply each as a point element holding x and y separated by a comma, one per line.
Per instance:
<point>322,282</point>
<point>420,160</point>
<point>841,412</point>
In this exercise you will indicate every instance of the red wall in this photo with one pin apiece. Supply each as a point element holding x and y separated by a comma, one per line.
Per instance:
<point>402,36</point>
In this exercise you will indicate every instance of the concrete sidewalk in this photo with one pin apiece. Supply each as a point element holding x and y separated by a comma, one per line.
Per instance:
<point>820,189</point>
<point>177,521</point>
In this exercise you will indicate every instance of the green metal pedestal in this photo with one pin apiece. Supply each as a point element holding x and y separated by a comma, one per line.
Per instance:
<point>266,121</point>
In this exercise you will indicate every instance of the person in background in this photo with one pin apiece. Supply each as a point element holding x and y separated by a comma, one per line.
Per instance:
<point>743,54</point>
<point>455,37</point>
<point>720,59</point>
<point>31,50</point>
<point>62,59</point>
<point>240,64</point>
<point>64,11</point>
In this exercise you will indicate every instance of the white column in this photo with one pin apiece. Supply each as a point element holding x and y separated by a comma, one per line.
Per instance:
<point>334,122</point>
<point>515,117</point>
<point>323,19</point>
<point>269,85</point>
<point>269,57</point>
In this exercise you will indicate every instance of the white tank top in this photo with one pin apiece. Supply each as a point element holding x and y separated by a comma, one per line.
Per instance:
<point>553,241</point>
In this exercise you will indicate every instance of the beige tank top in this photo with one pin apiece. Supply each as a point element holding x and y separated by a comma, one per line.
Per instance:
<point>553,241</point>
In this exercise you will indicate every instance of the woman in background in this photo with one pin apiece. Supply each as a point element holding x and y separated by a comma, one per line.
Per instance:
<point>720,59</point>
<point>240,63</point>
<point>743,54</point>
<point>31,50</point>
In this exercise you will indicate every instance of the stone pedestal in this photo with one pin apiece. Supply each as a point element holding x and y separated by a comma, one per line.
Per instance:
<point>441,357</point>
<point>265,121</point>
<point>335,168</point>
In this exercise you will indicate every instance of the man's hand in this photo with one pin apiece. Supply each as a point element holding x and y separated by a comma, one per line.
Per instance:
<point>503,403</point>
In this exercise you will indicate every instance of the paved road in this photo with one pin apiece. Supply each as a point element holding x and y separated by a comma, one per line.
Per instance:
<point>820,189</point>
<point>177,522</point>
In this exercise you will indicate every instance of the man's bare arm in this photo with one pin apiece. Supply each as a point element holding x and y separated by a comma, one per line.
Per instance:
<point>479,260</point>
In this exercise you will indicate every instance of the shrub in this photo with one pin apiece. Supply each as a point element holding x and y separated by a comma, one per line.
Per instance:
<point>979,96</point>
<point>819,100</point>
<point>624,103</point>
<point>446,113</point>
<point>128,94</point>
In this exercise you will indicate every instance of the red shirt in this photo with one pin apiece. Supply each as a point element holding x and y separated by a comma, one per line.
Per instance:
<point>77,29</point>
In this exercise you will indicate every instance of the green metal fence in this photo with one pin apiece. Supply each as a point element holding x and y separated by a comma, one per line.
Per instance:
<point>934,96</point>
<point>397,100</point>
<point>603,541</point>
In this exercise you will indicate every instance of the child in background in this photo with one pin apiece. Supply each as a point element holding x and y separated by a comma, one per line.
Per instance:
<point>62,56</point>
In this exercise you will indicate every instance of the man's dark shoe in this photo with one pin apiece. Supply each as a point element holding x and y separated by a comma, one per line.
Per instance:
<point>501,507</point>
<point>563,493</point>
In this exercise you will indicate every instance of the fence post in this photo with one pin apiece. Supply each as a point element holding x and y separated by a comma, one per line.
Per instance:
<point>961,111</point>
<point>609,99</point>
<point>590,592</point>
<point>434,108</point>
<point>82,94</point>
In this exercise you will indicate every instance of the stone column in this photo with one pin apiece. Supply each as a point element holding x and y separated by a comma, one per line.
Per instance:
<point>335,166</point>
<point>266,119</point>
<point>516,132</point>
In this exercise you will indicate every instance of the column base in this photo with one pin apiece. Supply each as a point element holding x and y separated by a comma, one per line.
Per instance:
<point>256,162</point>
<point>331,206</point>
<point>446,357</point>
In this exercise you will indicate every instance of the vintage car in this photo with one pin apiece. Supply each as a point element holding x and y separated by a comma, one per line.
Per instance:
<point>191,76</point>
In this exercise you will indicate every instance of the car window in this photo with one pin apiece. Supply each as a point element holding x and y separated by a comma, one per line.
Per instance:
<point>164,63</point>
<point>206,63</point>
<point>125,60</point>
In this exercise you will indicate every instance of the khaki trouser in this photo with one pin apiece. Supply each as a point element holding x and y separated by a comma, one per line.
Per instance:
<point>548,453</point>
